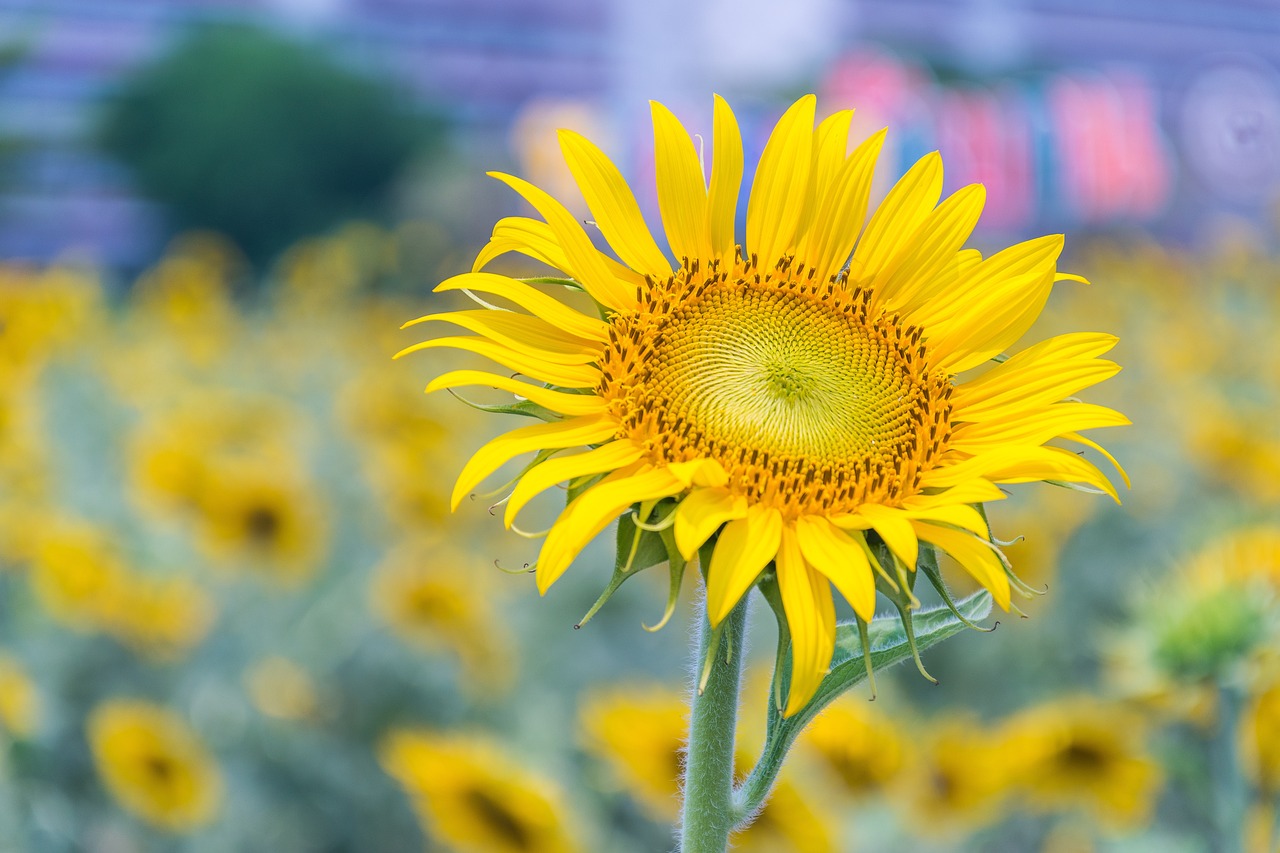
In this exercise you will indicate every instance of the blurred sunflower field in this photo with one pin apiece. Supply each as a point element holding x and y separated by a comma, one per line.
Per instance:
<point>237,615</point>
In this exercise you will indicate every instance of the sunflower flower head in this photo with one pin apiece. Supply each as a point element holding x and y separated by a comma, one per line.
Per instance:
<point>803,404</point>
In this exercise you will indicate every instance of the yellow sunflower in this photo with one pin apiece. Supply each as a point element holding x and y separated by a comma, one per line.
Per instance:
<point>154,765</point>
<point>802,394</point>
<point>472,797</point>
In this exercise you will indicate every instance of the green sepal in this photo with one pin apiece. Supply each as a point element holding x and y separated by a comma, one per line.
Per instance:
<point>929,566</point>
<point>528,408</point>
<point>676,566</point>
<point>549,279</point>
<point>634,551</point>
<point>889,642</point>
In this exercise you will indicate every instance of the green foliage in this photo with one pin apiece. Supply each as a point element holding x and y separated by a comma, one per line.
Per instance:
<point>261,138</point>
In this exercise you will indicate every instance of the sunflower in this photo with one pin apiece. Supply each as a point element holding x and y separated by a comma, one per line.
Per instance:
<point>801,397</point>
<point>863,751</point>
<point>154,765</point>
<point>639,733</point>
<point>471,796</point>
<point>1083,753</point>
<point>19,699</point>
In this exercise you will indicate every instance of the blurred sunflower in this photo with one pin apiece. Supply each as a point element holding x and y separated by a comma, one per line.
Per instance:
<point>154,765</point>
<point>263,517</point>
<point>42,310</point>
<point>427,596</point>
<point>82,580</point>
<point>470,796</point>
<point>958,781</point>
<point>19,699</point>
<point>1260,738</point>
<point>798,389</point>
<point>1082,753</point>
<point>639,733</point>
<point>864,752</point>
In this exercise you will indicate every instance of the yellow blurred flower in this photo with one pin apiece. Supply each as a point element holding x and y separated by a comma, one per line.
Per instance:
<point>180,446</point>
<point>864,751</point>
<point>639,733</point>
<point>263,517</point>
<point>82,580</point>
<point>154,765</point>
<point>433,596</point>
<point>280,688</point>
<point>1260,739</point>
<point>1082,753</point>
<point>185,299</point>
<point>958,780</point>
<point>19,699</point>
<point>472,797</point>
<point>42,310</point>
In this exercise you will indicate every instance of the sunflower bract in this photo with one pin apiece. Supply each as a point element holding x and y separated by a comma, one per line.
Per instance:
<point>795,392</point>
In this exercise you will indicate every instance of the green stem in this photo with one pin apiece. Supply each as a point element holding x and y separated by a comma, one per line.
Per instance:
<point>1229,783</point>
<point>708,815</point>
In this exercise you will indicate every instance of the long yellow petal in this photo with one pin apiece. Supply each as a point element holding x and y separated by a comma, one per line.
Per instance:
<point>1022,465</point>
<point>556,401</point>
<point>564,375</point>
<point>560,469</point>
<point>745,547</point>
<point>811,620</point>
<point>897,218</point>
<point>974,556</point>
<point>574,432</point>
<point>1044,373</point>
<point>701,514</point>
<point>593,510</point>
<point>830,147</point>
<point>585,263</point>
<point>843,211</point>
<point>535,239</point>
<point>613,205</point>
<point>532,300</point>
<point>917,273</point>
<point>896,532</point>
<point>531,335</point>
<point>682,191</point>
<point>726,181</point>
<point>1034,426</point>
<point>780,189</point>
<point>973,490</point>
<point>834,553</point>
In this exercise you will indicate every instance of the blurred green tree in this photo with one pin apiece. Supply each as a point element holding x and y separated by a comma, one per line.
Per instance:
<point>262,138</point>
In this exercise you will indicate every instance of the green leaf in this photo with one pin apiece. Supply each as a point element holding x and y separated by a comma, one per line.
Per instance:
<point>635,550</point>
<point>889,643</point>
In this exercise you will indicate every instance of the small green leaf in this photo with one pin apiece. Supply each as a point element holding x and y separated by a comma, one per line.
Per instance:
<point>528,408</point>
<point>634,551</point>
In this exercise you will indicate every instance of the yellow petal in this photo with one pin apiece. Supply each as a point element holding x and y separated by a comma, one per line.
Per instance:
<point>1045,373</point>
<point>811,620</point>
<point>975,556</point>
<point>608,457</point>
<point>780,190</point>
<point>1088,442</point>
<point>841,559</point>
<point>1022,465</point>
<point>564,375</point>
<point>726,181</point>
<point>920,270</point>
<point>701,514</point>
<point>682,191</point>
<point>1034,426</point>
<point>574,432</point>
<point>898,217</point>
<point>745,547</point>
<point>593,510</point>
<point>973,490</point>
<point>613,205</point>
<point>535,239</point>
<point>585,263</point>
<point>532,300</point>
<point>896,532</point>
<point>556,401</point>
<point>842,212</point>
<point>530,335</point>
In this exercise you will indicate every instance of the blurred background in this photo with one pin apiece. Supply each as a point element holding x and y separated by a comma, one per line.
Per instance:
<point>235,612</point>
